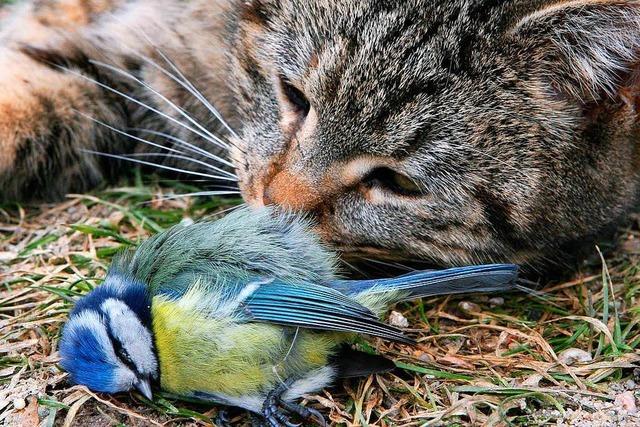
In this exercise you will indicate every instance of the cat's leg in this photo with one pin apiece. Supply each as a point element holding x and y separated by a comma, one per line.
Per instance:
<point>44,131</point>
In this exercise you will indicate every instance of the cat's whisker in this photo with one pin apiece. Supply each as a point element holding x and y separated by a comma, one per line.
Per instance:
<point>121,132</point>
<point>157,165</point>
<point>182,180</point>
<point>179,141</point>
<point>224,187</point>
<point>181,154</point>
<point>230,209</point>
<point>140,103</point>
<point>389,264</point>
<point>194,194</point>
<point>173,105</point>
<point>231,178</point>
<point>182,80</point>
<point>354,268</point>
<point>223,212</point>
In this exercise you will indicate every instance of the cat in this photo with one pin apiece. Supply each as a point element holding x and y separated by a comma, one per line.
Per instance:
<point>456,131</point>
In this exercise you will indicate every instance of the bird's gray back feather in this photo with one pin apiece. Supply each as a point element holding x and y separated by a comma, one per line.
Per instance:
<point>244,244</point>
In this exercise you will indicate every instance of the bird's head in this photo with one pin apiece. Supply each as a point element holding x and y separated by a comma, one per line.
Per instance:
<point>107,344</point>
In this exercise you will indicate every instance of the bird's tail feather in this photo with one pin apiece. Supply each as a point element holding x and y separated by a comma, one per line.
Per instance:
<point>420,284</point>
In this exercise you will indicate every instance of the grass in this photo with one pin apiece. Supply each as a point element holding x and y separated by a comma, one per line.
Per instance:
<point>480,360</point>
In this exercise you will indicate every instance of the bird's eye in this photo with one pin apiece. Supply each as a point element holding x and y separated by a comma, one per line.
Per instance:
<point>392,181</point>
<point>294,97</point>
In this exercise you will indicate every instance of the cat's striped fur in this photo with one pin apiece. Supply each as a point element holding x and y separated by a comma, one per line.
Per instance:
<point>453,130</point>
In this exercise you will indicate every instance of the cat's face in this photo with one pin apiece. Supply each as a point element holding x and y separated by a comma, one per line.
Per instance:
<point>454,130</point>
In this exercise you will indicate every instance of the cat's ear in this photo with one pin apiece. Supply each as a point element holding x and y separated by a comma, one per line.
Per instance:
<point>587,49</point>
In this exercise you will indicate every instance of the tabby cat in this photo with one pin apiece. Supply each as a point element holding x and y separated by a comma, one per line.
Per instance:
<point>453,130</point>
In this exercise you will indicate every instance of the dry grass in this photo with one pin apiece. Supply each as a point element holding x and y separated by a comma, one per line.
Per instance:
<point>481,359</point>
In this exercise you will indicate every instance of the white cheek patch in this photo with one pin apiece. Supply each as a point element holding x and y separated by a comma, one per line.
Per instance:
<point>124,378</point>
<point>134,336</point>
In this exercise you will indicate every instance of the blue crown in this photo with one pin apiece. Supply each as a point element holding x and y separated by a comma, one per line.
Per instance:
<point>130,291</point>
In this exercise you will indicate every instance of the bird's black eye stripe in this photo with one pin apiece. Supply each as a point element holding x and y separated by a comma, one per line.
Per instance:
<point>120,351</point>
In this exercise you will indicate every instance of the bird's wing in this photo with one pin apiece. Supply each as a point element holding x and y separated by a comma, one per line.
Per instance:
<point>312,306</point>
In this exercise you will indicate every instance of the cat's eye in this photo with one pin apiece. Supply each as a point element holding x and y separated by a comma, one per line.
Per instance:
<point>296,100</point>
<point>392,181</point>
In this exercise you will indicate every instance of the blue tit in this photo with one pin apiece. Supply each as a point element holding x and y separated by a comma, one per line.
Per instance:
<point>246,311</point>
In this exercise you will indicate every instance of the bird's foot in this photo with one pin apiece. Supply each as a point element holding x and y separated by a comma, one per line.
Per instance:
<point>307,414</point>
<point>222,418</point>
<point>274,408</point>
<point>256,420</point>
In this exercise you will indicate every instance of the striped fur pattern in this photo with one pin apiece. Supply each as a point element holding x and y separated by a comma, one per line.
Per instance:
<point>456,130</point>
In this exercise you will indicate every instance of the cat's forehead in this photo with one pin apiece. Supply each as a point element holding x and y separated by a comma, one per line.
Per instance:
<point>388,66</point>
<point>391,71</point>
<point>374,36</point>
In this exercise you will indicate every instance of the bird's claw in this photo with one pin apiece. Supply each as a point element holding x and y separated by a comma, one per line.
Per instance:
<point>304,412</point>
<point>222,418</point>
<point>274,407</point>
<point>257,420</point>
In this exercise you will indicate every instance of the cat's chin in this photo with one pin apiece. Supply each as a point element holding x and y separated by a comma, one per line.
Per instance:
<point>449,257</point>
<point>387,257</point>
<point>350,253</point>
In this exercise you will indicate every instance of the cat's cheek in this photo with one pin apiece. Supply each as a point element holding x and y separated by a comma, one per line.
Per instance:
<point>251,188</point>
<point>249,182</point>
<point>375,195</point>
<point>251,195</point>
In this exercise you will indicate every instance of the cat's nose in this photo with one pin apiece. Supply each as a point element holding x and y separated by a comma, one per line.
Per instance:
<point>320,188</point>
<point>291,191</point>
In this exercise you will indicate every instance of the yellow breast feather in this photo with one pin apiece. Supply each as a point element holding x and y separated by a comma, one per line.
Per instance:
<point>200,352</point>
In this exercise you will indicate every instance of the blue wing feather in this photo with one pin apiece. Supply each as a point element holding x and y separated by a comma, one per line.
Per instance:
<point>307,305</point>
<point>420,284</point>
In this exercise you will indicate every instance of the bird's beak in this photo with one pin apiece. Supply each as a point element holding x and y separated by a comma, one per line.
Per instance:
<point>144,387</point>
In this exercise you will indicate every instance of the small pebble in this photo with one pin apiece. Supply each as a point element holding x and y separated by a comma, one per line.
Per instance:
<point>19,404</point>
<point>186,222</point>
<point>572,356</point>
<point>627,401</point>
<point>424,357</point>
<point>496,301</point>
<point>630,385</point>
<point>468,307</point>
<point>398,320</point>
